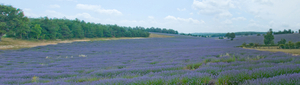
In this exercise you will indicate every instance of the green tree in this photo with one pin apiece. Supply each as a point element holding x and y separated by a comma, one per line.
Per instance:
<point>11,18</point>
<point>77,31</point>
<point>251,44</point>
<point>232,36</point>
<point>297,44</point>
<point>36,31</point>
<point>227,35</point>
<point>258,34</point>
<point>269,38</point>
<point>291,45</point>
<point>282,41</point>
<point>244,44</point>
<point>281,46</point>
<point>66,32</point>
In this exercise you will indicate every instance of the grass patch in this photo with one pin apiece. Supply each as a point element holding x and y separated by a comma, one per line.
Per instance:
<point>193,66</point>
<point>158,35</point>
<point>155,62</point>
<point>290,51</point>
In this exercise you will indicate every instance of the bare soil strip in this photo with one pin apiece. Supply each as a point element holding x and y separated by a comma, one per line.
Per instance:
<point>9,43</point>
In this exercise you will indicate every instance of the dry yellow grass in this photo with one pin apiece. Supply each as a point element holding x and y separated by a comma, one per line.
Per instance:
<point>295,52</point>
<point>9,43</point>
<point>157,35</point>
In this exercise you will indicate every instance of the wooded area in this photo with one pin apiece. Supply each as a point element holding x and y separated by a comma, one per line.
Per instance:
<point>14,24</point>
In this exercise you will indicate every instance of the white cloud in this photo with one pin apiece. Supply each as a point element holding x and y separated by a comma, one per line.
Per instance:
<point>54,6</point>
<point>98,9</point>
<point>150,17</point>
<point>28,12</point>
<point>181,9</point>
<point>239,19</point>
<point>54,14</point>
<point>264,2</point>
<point>191,13</point>
<point>227,22</point>
<point>190,20</point>
<point>68,0</point>
<point>218,8</point>
<point>271,23</point>
<point>27,9</point>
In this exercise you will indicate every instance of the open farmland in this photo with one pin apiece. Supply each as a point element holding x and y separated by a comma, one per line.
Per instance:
<point>157,61</point>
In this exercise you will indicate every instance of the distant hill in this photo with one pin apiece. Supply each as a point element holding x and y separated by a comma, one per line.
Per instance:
<point>223,34</point>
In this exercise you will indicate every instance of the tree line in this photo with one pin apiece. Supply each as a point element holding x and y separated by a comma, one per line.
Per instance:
<point>14,24</point>
<point>45,28</point>
<point>164,30</point>
<point>286,32</point>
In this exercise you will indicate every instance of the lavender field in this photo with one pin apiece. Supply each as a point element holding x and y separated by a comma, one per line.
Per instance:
<point>178,60</point>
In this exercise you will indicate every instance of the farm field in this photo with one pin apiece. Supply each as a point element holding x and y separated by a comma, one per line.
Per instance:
<point>179,60</point>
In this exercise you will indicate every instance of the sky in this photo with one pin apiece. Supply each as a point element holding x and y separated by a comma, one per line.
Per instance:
<point>186,16</point>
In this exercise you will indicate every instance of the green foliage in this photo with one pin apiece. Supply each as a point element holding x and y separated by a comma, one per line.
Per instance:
<point>282,41</point>
<point>297,44</point>
<point>291,45</point>
<point>284,32</point>
<point>258,34</point>
<point>164,30</point>
<point>14,24</point>
<point>251,44</point>
<point>230,36</point>
<point>269,38</point>
<point>221,38</point>
<point>281,46</point>
<point>193,66</point>
<point>12,19</point>
<point>244,44</point>
<point>36,31</point>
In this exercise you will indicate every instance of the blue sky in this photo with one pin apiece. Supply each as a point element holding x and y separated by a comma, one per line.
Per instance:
<point>186,16</point>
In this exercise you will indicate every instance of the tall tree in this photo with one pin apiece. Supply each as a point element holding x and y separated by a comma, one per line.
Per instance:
<point>227,35</point>
<point>66,32</point>
<point>269,38</point>
<point>36,31</point>
<point>10,18</point>
<point>232,36</point>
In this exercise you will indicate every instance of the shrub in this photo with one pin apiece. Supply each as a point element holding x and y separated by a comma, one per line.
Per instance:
<point>251,44</point>
<point>297,44</point>
<point>256,44</point>
<point>244,44</point>
<point>193,66</point>
<point>282,41</point>
<point>291,45</point>
<point>281,46</point>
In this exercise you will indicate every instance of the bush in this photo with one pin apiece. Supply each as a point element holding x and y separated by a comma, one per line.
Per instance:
<point>297,44</point>
<point>281,46</point>
<point>244,44</point>
<point>258,34</point>
<point>282,41</point>
<point>256,44</point>
<point>291,45</point>
<point>251,44</point>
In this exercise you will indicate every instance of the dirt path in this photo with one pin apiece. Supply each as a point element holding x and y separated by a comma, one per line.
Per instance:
<point>9,43</point>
